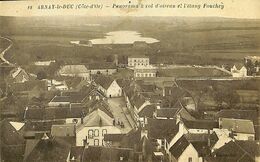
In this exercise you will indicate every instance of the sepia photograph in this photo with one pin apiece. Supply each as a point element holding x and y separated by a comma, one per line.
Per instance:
<point>127,84</point>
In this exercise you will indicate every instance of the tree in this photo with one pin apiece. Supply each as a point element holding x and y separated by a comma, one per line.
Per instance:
<point>41,75</point>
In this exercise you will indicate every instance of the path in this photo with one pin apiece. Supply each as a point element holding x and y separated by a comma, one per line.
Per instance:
<point>119,110</point>
<point>4,51</point>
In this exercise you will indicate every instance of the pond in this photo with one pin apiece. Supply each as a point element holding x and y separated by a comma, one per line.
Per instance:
<point>123,37</point>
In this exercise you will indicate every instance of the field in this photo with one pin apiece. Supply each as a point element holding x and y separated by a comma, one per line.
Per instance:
<point>200,41</point>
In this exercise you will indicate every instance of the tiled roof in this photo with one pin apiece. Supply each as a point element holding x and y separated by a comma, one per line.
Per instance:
<point>138,100</point>
<point>162,128</point>
<point>238,114</point>
<point>103,65</point>
<point>104,81</point>
<point>49,150</point>
<point>99,154</point>
<point>167,112</point>
<point>63,130</point>
<point>55,113</point>
<point>9,135</point>
<point>73,69</point>
<point>237,125</point>
<point>200,124</point>
<point>180,145</point>
<point>113,137</point>
<point>147,111</point>
<point>238,151</point>
<point>76,152</point>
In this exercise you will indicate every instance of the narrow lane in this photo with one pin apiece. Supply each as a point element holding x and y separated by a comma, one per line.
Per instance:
<point>4,51</point>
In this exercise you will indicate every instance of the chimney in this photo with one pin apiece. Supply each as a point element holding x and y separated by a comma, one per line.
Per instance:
<point>81,119</point>
<point>209,143</point>
<point>144,133</point>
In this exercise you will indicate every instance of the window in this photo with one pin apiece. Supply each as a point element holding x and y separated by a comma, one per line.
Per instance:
<point>103,143</point>
<point>104,131</point>
<point>96,142</point>
<point>96,133</point>
<point>90,134</point>
<point>190,159</point>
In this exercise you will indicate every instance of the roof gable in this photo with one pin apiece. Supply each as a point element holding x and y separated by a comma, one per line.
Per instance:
<point>162,128</point>
<point>104,81</point>
<point>179,147</point>
<point>237,125</point>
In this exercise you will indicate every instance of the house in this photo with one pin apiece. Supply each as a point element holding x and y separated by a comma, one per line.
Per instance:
<point>30,89</point>
<point>44,63</point>
<point>74,71</point>
<point>223,136</point>
<point>47,149</point>
<point>94,126</point>
<point>188,149</point>
<point>19,75</point>
<point>75,154</point>
<point>238,114</point>
<point>67,114</point>
<point>144,71</point>
<point>137,140</point>
<point>138,61</point>
<point>12,142</point>
<point>102,154</point>
<point>237,151</point>
<point>57,85</point>
<point>163,132</point>
<point>102,68</point>
<point>238,71</point>
<point>63,130</point>
<point>240,129</point>
<point>145,113</point>
<point>67,100</point>
<point>108,86</point>
<point>113,139</point>
<point>200,126</point>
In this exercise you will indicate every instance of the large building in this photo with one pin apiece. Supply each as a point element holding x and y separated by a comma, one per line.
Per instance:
<point>144,71</point>
<point>138,61</point>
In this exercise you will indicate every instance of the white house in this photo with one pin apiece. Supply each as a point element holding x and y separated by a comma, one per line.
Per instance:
<point>57,85</point>
<point>138,60</point>
<point>19,75</point>
<point>93,128</point>
<point>144,71</point>
<point>239,72</point>
<point>108,86</point>
<point>74,70</point>
<point>184,151</point>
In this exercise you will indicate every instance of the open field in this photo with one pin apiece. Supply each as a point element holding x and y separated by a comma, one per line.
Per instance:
<point>182,40</point>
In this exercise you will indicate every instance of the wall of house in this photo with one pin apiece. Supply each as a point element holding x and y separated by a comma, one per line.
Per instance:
<point>82,75</point>
<point>103,71</point>
<point>138,61</point>
<point>182,131</point>
<point>223,138</point>
<point>114,90</point>
<point>239,73</point>
<point>94,138</point>
<point>198,131</point>
<point>244,136</point>
<point>145,74</point>
<point>189,152</point>
<point>58,103</point>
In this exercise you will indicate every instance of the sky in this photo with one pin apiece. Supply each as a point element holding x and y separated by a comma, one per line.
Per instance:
<point>194,8</point>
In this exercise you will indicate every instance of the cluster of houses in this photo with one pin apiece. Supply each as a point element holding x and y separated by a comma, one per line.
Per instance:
<point>250,67</point>
<point>81,125</point>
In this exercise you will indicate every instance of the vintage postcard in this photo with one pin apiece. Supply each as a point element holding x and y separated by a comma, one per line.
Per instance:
<point>130,81</point>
